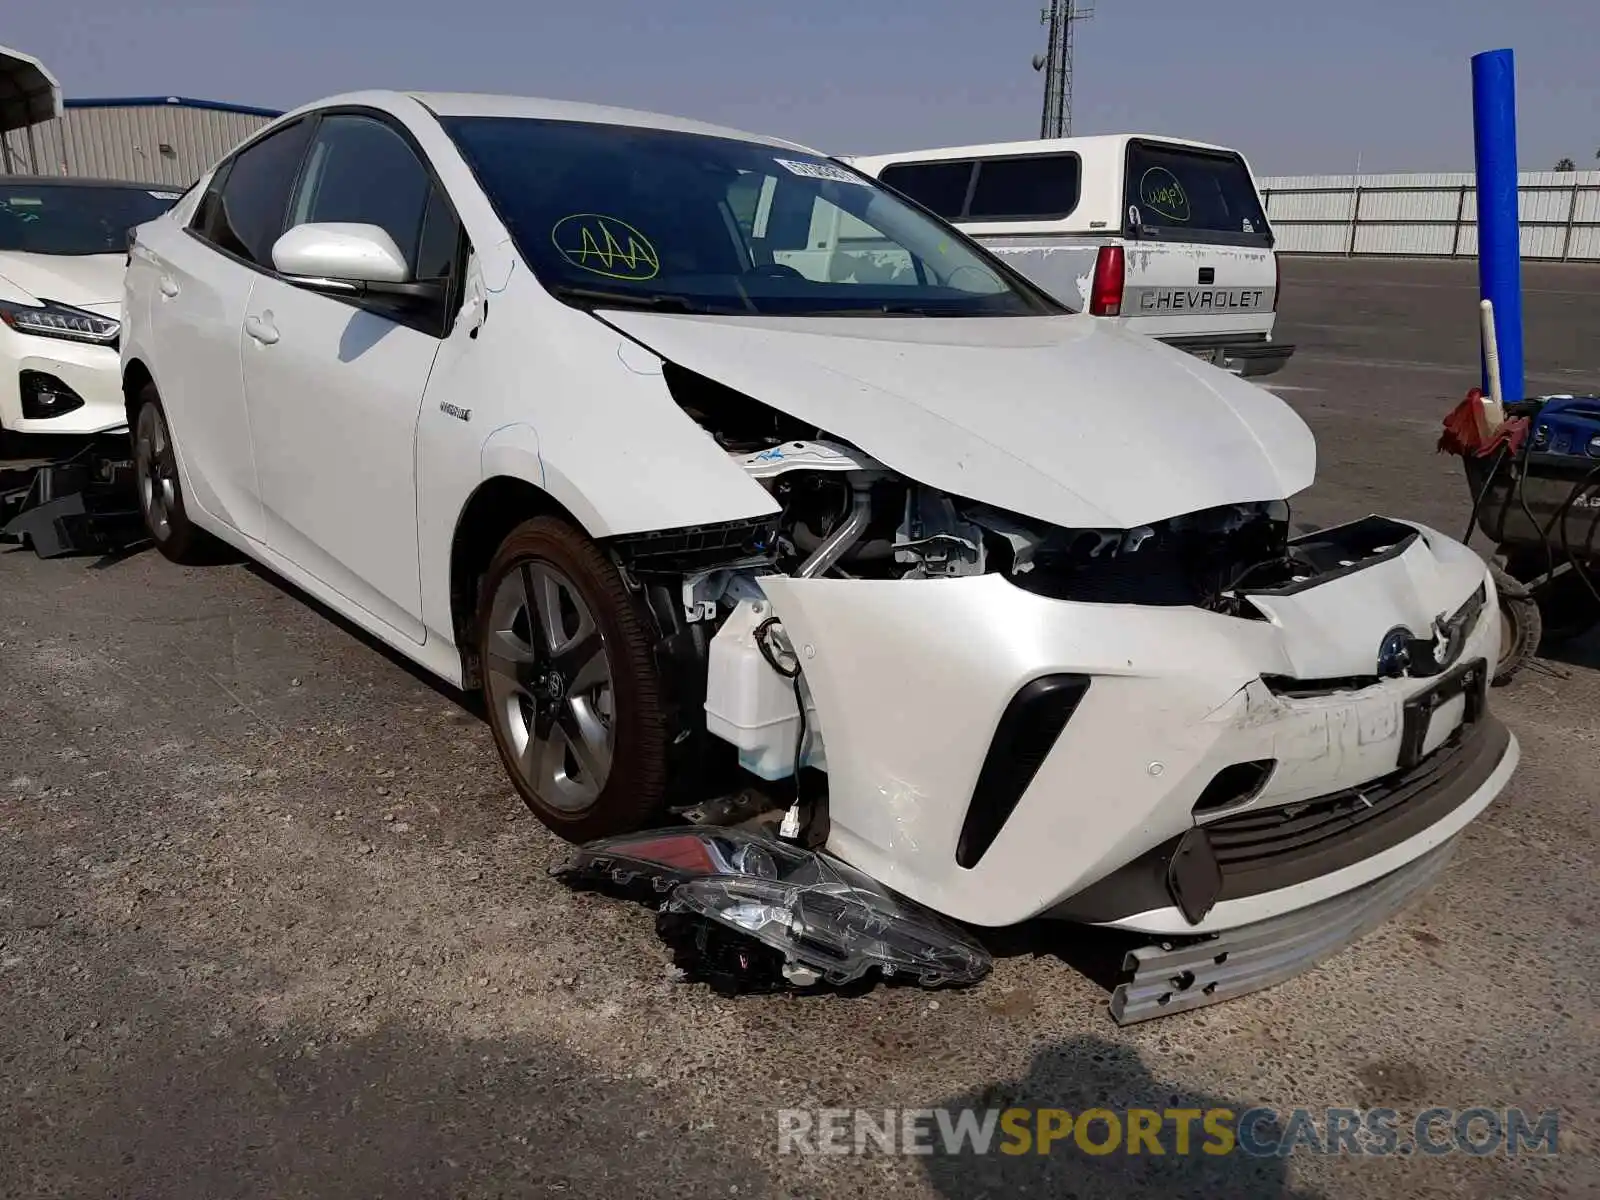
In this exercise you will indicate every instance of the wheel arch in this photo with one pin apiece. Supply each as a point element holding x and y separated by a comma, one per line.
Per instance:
<point>496,506</point>
<point>135,378</point>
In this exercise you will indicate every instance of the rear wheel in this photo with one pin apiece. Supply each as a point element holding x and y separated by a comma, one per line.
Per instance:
<point>155,465</point>
<point>570,683</point>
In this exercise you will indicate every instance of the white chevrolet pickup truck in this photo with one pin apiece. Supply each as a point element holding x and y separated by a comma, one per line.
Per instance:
<point>1166,236</point>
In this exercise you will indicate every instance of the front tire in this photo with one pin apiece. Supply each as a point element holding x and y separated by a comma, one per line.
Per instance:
<point>570,683</point>
<point>155,466</point>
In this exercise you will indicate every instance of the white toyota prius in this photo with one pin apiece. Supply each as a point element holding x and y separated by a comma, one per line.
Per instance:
<point>706,457</point>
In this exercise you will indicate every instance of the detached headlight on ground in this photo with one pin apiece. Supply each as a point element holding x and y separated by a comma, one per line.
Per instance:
<point>747,911</point>
<point>49,319</point>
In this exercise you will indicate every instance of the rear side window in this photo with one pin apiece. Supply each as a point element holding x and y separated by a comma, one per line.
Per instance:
<point>242,212</point>
<point>1031,187</point>
<point>940,187</point>
<point>1039,187</point>
<point>1177,192</point>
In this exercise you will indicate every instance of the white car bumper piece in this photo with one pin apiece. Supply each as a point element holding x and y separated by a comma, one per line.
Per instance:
<point>91,372</point>
<point>1240,760</point>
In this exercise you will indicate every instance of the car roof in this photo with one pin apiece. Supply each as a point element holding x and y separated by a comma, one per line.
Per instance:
<point>76,181</point>
<point>473,104</point>
<point>1112,141</point>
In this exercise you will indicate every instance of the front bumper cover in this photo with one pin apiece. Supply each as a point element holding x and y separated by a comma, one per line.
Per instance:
<point>912,678</point>
<point>91,371</point>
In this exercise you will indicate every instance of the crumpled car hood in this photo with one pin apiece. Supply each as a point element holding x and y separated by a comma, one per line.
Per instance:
<point>1067,419</point>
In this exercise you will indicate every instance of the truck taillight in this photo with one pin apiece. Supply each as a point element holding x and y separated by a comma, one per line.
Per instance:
<point>1277,279</point>
<point>1105,292</point>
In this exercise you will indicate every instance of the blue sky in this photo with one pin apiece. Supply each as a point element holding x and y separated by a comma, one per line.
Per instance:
<point>1299,87</point>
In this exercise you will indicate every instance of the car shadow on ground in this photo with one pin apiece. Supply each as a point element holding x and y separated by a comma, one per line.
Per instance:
<point>469,701</point>
<point>1094,952</point>
<point>1087,1073</point>
<point>169,1092</point>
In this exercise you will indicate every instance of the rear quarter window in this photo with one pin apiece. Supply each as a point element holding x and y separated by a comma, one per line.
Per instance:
<point>1180,193</point>
<point>1039,187</point>
<point>940,187</point>
<point>1029,187</point>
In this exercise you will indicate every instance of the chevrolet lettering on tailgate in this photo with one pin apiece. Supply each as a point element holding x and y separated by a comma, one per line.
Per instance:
<point>1200,299</point>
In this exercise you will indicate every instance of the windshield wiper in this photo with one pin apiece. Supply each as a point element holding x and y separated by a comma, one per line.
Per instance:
<point>619,299</point>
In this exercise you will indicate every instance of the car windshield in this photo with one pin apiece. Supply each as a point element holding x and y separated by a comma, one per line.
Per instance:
<point>684,222</point>
<point>68,218</point>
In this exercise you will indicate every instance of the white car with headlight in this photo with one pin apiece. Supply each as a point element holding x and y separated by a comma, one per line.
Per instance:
<point>63,247</point>
<point>565,403</point>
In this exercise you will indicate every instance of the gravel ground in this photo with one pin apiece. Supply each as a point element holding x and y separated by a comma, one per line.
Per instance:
<point>272,924</point>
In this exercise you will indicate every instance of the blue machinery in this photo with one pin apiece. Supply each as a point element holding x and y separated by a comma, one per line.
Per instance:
<point>1537,499</point>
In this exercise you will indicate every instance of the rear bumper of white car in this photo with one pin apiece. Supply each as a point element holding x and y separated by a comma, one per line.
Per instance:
<point>53,386</point>
<point>1159,754</point>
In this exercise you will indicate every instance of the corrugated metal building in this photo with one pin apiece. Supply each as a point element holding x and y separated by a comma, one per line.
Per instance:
<point>146,139</point>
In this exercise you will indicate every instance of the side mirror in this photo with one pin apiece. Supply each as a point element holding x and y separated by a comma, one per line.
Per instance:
<point>348,259</point>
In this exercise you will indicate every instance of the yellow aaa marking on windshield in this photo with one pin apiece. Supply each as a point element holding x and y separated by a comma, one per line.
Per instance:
<point>605,246</point>
<point>1161,193</point>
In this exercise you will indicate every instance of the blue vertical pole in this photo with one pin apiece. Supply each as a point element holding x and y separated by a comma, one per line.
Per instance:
<point>1494,127</point>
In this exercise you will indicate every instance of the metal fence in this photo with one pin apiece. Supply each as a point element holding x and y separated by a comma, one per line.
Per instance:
<point>1434,216</point>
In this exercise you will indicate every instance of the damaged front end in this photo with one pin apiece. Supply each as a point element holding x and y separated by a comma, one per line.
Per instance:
<point>912,701</point>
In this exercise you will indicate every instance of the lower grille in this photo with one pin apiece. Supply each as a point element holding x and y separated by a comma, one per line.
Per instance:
<point>1266,849</point>
<point>1269,848</point>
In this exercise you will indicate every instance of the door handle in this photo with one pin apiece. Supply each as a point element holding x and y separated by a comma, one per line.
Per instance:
<point>261,328</point>
<point>169,286</point>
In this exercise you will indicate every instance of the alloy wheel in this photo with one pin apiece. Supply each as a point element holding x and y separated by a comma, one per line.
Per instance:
<point>156,471</point>
<point>550,683</point>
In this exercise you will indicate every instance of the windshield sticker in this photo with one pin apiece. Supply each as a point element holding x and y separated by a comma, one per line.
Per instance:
<point>1162,194</point>
<point>167,195</point>
<point>605,246</point>
<point>820,170</point>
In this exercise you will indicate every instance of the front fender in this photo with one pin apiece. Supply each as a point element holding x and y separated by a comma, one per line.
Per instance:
<point>626,459</point>
<point>512,451</point>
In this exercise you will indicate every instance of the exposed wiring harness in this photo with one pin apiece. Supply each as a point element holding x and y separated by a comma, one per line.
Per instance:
<point>763,636</point>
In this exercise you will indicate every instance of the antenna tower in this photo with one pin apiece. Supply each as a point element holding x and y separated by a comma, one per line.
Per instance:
<point>1056,63</point>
